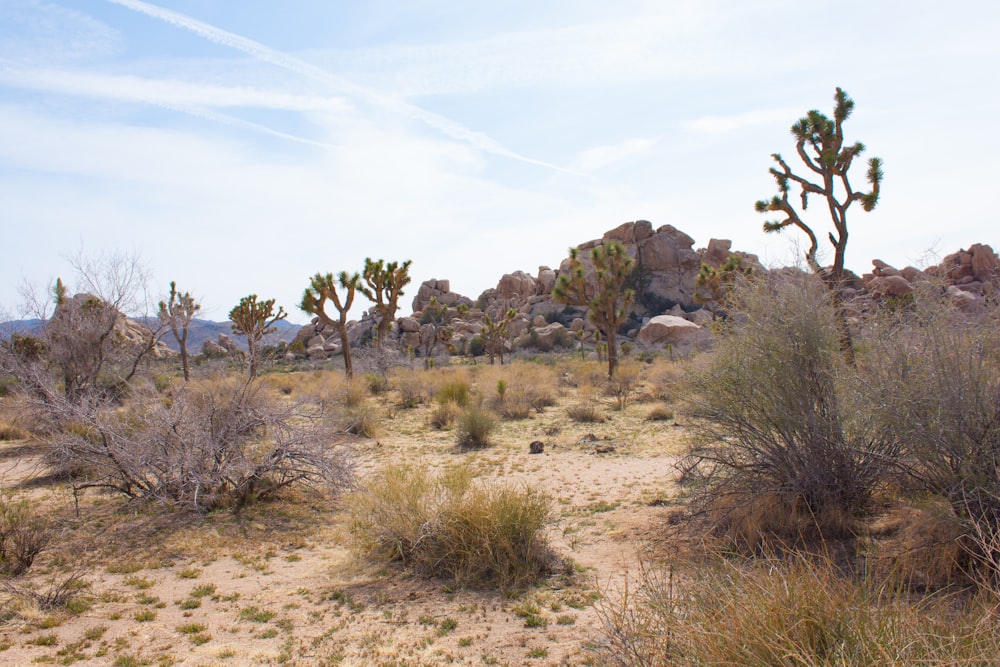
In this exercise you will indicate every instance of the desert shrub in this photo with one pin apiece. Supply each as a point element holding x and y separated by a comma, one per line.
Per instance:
<point>12,431</point>
<point>520,388</point>
<point>780,432</point>
<point>444,415</point>
<point>797,611</point>
<point>209,445</point>
<point>621,387</point>
<point>363,420</point>
<point>480,534</point>
<point>455,391</point>
<point>413,387</point>
<point>474,427</point>
<point>586,412</point>
<point>660,413</point>
<point>23,535</point>
<point>932,380</point>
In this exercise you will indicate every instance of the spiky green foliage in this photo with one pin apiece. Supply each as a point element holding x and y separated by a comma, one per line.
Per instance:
<point>602,291</point>
<point>322,288</point>
<point>496,332</point>
<point>434,328</point>
<point>255,319</point>
<point>383,285</point>
<point>715,283</point>
<point>819,143</point>
<point>177,312</point>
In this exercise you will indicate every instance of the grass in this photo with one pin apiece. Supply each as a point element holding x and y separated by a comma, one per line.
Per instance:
<point>256,614</point>
<point>799,610</point>
<point>474,428</point>
<point>445,525</point>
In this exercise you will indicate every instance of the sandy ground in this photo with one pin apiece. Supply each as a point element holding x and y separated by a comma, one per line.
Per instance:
<point>280,585</point>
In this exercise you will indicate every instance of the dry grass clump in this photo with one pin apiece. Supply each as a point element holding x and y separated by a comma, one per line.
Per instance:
<point>10,430</point>
<point>448,525</point>
<point>520,388</point>
<point>660,413</point>
<point>474,427</point>
<point>623,386</point>
<point>587,412</point>
<point>414,387</point>
<point>802,610</point>
<point>444,415</point>
<point>364,420</point>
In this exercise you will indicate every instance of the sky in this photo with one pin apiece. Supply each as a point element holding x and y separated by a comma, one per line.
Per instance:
<point>240,146</point>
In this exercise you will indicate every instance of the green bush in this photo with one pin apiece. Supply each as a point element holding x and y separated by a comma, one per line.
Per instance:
<point>474,427</point>
<point>480,534</point>
<point>454,391</point>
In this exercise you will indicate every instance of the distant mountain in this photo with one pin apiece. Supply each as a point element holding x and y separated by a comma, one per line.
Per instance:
<point>202,330</point>
<point>198,332</point>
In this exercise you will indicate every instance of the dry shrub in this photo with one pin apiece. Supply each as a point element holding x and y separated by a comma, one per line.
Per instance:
<point>931,378</point>
<point>216,444</point>
<point>621,388</point>
<point>23,535</point>
<point>919,545</point>
<point>670,380</point>
<point>780,414</point>
<point>444,415</point>
<point>480,534</point>
<point>587,412</point>
<point>457,391</point>
<point>12,431</point>
<point>363,420</point>
<point>474,427</point>
<point>660,413</point>
<point>520,388</point>
<point>414,387</point>
<point>800,610</point>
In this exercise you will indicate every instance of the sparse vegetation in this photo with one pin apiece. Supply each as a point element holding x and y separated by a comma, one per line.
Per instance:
<point>486,534</point>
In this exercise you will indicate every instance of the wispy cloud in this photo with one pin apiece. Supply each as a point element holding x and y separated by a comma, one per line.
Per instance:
<point>741,121</point>
<point>286,61</point>
<point>600,157</point>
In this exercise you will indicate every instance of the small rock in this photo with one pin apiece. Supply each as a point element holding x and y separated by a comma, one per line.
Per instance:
<point>537,447</point>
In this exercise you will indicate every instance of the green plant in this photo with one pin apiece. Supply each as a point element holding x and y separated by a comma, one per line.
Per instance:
<point>474,427</point>
<point>177,312</point>
<point>322,288</point>
<point>447,525</point>
<point>454,391</point>
<point>256,614</point>
<point>383,285</point>
<point>819,142</point>
<point>603,291</point>
<point>255,319</point>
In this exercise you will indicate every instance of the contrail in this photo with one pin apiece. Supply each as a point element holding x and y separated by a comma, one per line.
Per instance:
<point>264,53</point>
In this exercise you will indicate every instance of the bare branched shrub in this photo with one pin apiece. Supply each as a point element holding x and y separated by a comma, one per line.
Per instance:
<point>779,427</point>
<point>23,535</point>
<point>208,445</point>
<point>57,595</point>
<point>413,386</point>
<point>489,534</point>
<point>932,379</point>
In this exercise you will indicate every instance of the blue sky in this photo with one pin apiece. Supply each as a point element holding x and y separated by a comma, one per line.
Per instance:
<point>241,146</point>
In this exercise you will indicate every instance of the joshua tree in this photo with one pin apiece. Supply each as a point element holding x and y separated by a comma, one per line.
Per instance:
<point>322,289</point>
<point>177,313</point>
<point>255,319</point>
<point>434,329</point>
<point>383,285</point>
<point>716,283</point>
<point>603,292</point>
<point>819,142</point>
<point>496,331</point>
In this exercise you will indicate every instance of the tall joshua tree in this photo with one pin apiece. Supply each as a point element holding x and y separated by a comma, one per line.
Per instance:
<point>177,312</point>
<point>819,143</point>
<point>603,291</point>
<point>255,319</point>
<point>383,285</point>
<point>322,289</point>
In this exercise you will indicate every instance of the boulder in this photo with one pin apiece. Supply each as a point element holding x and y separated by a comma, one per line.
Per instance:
<point>664,329</point>
<point>517,287</point>
<point>546,337</point>
<point>408,324</point>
